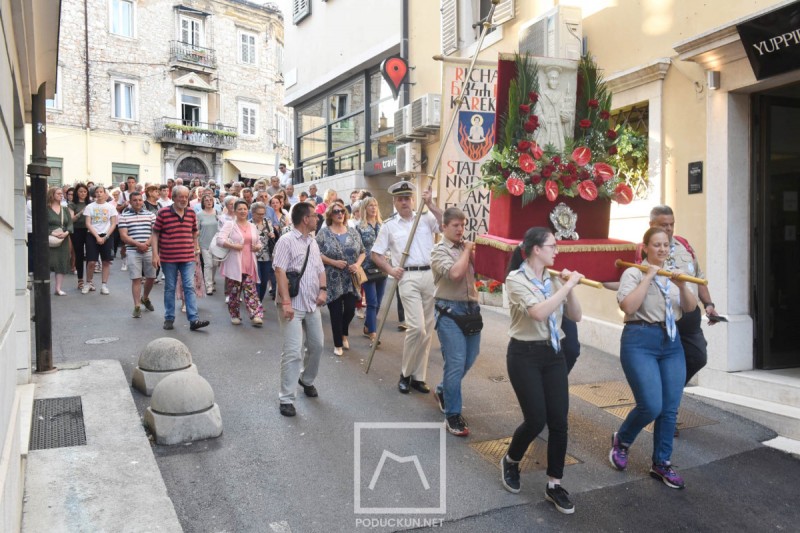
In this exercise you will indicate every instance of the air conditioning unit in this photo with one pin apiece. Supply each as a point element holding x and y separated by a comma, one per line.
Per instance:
<point>409,159</point>
<point>403,131</point>
<point>557,33</point>
<point>426,113</point>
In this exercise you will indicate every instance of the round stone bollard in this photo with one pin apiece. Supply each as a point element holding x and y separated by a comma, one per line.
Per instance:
<point>183,410</point>
<point>160,358</point>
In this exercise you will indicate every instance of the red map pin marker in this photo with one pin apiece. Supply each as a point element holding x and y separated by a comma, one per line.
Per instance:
<point>395,71</point>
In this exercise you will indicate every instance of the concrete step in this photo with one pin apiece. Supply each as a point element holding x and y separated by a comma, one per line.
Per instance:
<point>783,419</point>
<point>776,386</point>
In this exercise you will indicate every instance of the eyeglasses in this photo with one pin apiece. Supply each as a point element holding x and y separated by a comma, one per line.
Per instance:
<point>338,211</point>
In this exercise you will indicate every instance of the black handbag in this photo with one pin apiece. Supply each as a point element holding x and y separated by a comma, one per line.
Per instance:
<point>374,274</point>
<point>294,277</point>
<point>470,324</point>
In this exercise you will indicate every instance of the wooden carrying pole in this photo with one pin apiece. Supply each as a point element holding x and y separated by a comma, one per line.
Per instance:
<point>662,272</point>
<point>583,281</point>
<point>391,286</point>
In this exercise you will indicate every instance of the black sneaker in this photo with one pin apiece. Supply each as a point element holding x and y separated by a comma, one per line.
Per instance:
<point>287,409</point>
<point>456,425</point>
<point>168,324</point>
<point>510,475</point>
<point>197,324</point>
<point>560,498</point>
<point>310,390</point>
<point>148,304</point>
<point>440,400</point>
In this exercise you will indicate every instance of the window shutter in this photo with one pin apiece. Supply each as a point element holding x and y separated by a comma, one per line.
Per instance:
<point>449,26</point>
<point>503,12</point>
<point>300,10</point>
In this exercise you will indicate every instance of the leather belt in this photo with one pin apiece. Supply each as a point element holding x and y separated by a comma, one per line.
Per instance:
<point>645,323</point>
<point>532,343</point>
<point>417,269</point>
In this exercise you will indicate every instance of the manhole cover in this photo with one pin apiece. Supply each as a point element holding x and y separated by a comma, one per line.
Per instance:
<point>102,340</point>
<point>498,379</point>
<point>57,423</point>
<point>534,459</point>
<point>686,418</point>
<point>607,394</point>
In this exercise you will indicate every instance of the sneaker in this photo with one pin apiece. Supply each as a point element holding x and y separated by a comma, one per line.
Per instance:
<point>440,399</point>
<point>287,409</point>
<point>510,475</point>
<point>360,313</point>
<point>456,425</point>
<point>310,390</point>
<point>98,268</point>
<point>236,321</point>
<point>91,286</point>
<point>198,324</point>
<point>137,312</point>
<point>104,289</point>
<point>257,321</point>
<point>668,475</point>
<point>183,308</point>
<point>168,324</point>
<point>148,304</point>
<point>85,289</point>
<point>402,326</point>
<point>124,267</point>
<point>560,498</point>
<point>618,454</point>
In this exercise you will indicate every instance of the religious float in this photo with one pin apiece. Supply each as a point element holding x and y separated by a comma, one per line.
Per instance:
<point>550,167</point>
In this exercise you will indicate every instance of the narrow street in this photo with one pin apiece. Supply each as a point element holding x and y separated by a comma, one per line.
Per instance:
<point>270,473</point>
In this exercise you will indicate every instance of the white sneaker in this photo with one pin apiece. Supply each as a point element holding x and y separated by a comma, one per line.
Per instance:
<point>360,313</point>
<point>85,289</point>
<point>124,267</point>
<point>104,289</point>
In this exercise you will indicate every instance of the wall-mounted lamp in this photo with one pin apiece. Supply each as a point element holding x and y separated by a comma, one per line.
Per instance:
<point>713,79</point>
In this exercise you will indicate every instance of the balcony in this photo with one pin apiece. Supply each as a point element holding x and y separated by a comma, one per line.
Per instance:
<point>178,131</point>
<point>190,53</point>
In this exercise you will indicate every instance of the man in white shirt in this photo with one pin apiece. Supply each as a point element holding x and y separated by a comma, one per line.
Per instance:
<point>290,194</point>
<point>415,279</point>
<point>284,175</point>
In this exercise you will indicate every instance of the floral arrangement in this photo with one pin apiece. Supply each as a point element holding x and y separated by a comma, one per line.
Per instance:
<point>492,287</point>
<point>196,129</point>
<point>518,165</point>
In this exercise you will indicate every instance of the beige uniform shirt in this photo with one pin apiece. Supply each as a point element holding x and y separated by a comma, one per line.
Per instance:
<point>681,259</point>
<point>443,257</point>
<point>653,308</point>
<point>522,294</point>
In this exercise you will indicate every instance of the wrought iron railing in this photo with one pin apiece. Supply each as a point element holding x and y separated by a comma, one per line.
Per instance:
<point>190,53</point>
<point>181,131</point>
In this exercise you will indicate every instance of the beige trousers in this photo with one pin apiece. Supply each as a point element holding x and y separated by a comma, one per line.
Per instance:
<point>416,293</point>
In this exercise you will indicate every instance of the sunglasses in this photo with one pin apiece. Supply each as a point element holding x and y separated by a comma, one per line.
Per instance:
<point>338,211</point>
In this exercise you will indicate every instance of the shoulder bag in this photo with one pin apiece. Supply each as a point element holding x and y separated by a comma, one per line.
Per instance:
<point>294,276</point>
<point>54,241</point>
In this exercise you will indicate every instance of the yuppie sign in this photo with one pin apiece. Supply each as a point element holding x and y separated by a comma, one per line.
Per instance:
<point>772,41</point>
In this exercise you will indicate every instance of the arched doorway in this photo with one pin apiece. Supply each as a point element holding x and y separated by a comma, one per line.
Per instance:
<point>191,167</point>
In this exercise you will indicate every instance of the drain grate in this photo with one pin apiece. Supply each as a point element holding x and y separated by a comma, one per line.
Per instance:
<point>606,394</point>
<point>686,418</point>
<point>534,459</point>
<point>57,423</point>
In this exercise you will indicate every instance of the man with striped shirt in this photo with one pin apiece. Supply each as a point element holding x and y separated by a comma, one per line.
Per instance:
<point>300,314</point>
<point>175,248</point>
<point>136,231</point>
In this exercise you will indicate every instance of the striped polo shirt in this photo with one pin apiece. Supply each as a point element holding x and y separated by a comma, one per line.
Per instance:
<point>139,225</point>
<point>176,235</point>
<point>289,255</point>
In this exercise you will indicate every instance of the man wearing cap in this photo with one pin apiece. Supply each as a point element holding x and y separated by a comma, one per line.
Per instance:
<point>415,279</point>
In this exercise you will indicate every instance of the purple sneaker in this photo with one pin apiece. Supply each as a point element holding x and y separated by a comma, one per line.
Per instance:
<point>668,475</point>
<point>618,454</point>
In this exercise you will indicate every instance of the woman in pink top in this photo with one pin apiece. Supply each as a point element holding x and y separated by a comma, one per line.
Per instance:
<point>239,269</point>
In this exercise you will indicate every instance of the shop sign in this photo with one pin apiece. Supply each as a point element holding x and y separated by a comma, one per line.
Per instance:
<point>380,166</point>
<point>772,41</point>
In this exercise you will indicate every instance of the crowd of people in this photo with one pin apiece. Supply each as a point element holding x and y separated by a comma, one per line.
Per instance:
<point>309,251</point>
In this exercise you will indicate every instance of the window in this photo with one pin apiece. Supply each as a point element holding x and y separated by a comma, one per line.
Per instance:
<point>248,119</point>
<point>191,31</point>
<point>300,10</point>
<point>382,108</point>
<point>55,103</point>
<point>121,17</point>
<point>461,21</point>
<point>247,48</point>
<point>191,109</point>
<point>56,164</point>
<point>121,171</point>
<point>284,130</point>
<point>279,58</point>
<point>123,100</point>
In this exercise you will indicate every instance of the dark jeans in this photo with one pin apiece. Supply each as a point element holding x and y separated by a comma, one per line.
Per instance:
<point>342,311</point>
<point>401,313</point>
<point>539,378</point>
<point>693,342</point>
<point>570,344</point>
<point>78,238</point>
<point>266,274</point>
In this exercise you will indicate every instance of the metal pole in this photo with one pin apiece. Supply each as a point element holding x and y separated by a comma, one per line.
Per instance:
<point>39,171</point>
<point>428,183</point>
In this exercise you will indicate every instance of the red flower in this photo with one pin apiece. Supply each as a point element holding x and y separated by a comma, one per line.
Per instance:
<point>536,179</point>
<point>568,181</point>
<point>593,103</point>
<point>526,163</point>
<point>585,123</point>
<point>551,190</point>
<point>530,127</point>
<point>612,150</point>
<point>524,108</point>
<point>515,185</point>
<point>587,190</point>
<point>533,96</point>
<point>495,286</point>
<point>623,194</point>
<point>603,171</point>
<point>556,159</point>
<point>537,151</point>
<point>611,134</point>
<point>524,146</point>
<point>547,172</point>
<point>604,114</point>
<point>506,173</point>
<point>581,155</point>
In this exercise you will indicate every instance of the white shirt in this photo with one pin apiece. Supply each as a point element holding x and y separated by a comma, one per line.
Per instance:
<point>395,232</point>
<point>285,177</point>
<point>162,203</point>
<point>100,216</point>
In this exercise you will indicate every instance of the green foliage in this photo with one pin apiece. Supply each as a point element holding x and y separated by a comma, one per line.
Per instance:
<point>632,160</point>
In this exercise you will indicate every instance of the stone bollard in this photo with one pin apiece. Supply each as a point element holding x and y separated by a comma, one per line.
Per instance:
<point>160,358</point>
<point>183,410</point>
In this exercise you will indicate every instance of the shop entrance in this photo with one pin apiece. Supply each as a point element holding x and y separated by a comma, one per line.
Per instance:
<point>776,248</point>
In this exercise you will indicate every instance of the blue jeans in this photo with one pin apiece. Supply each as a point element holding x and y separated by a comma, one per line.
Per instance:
<point>458,350</point>
<point>655,369</point>
<point>187,278</point>
<point>266,274</point>
<point>373,290</point>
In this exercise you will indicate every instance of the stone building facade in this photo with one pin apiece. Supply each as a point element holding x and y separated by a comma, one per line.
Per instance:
<point>188,88</point>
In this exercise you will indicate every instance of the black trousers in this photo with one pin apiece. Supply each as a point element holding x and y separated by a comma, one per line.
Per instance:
<point>693,341</point>
<point>78,238</point>
<point>342,311</point>
<point>539,377</point>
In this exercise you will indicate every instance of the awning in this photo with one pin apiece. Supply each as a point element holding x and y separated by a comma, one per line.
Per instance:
<point>249,169</point>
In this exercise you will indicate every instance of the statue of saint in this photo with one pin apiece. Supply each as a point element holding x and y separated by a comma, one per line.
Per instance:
<point>556,110</point>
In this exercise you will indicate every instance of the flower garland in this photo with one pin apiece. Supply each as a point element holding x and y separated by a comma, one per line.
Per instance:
<point>520,166</point>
